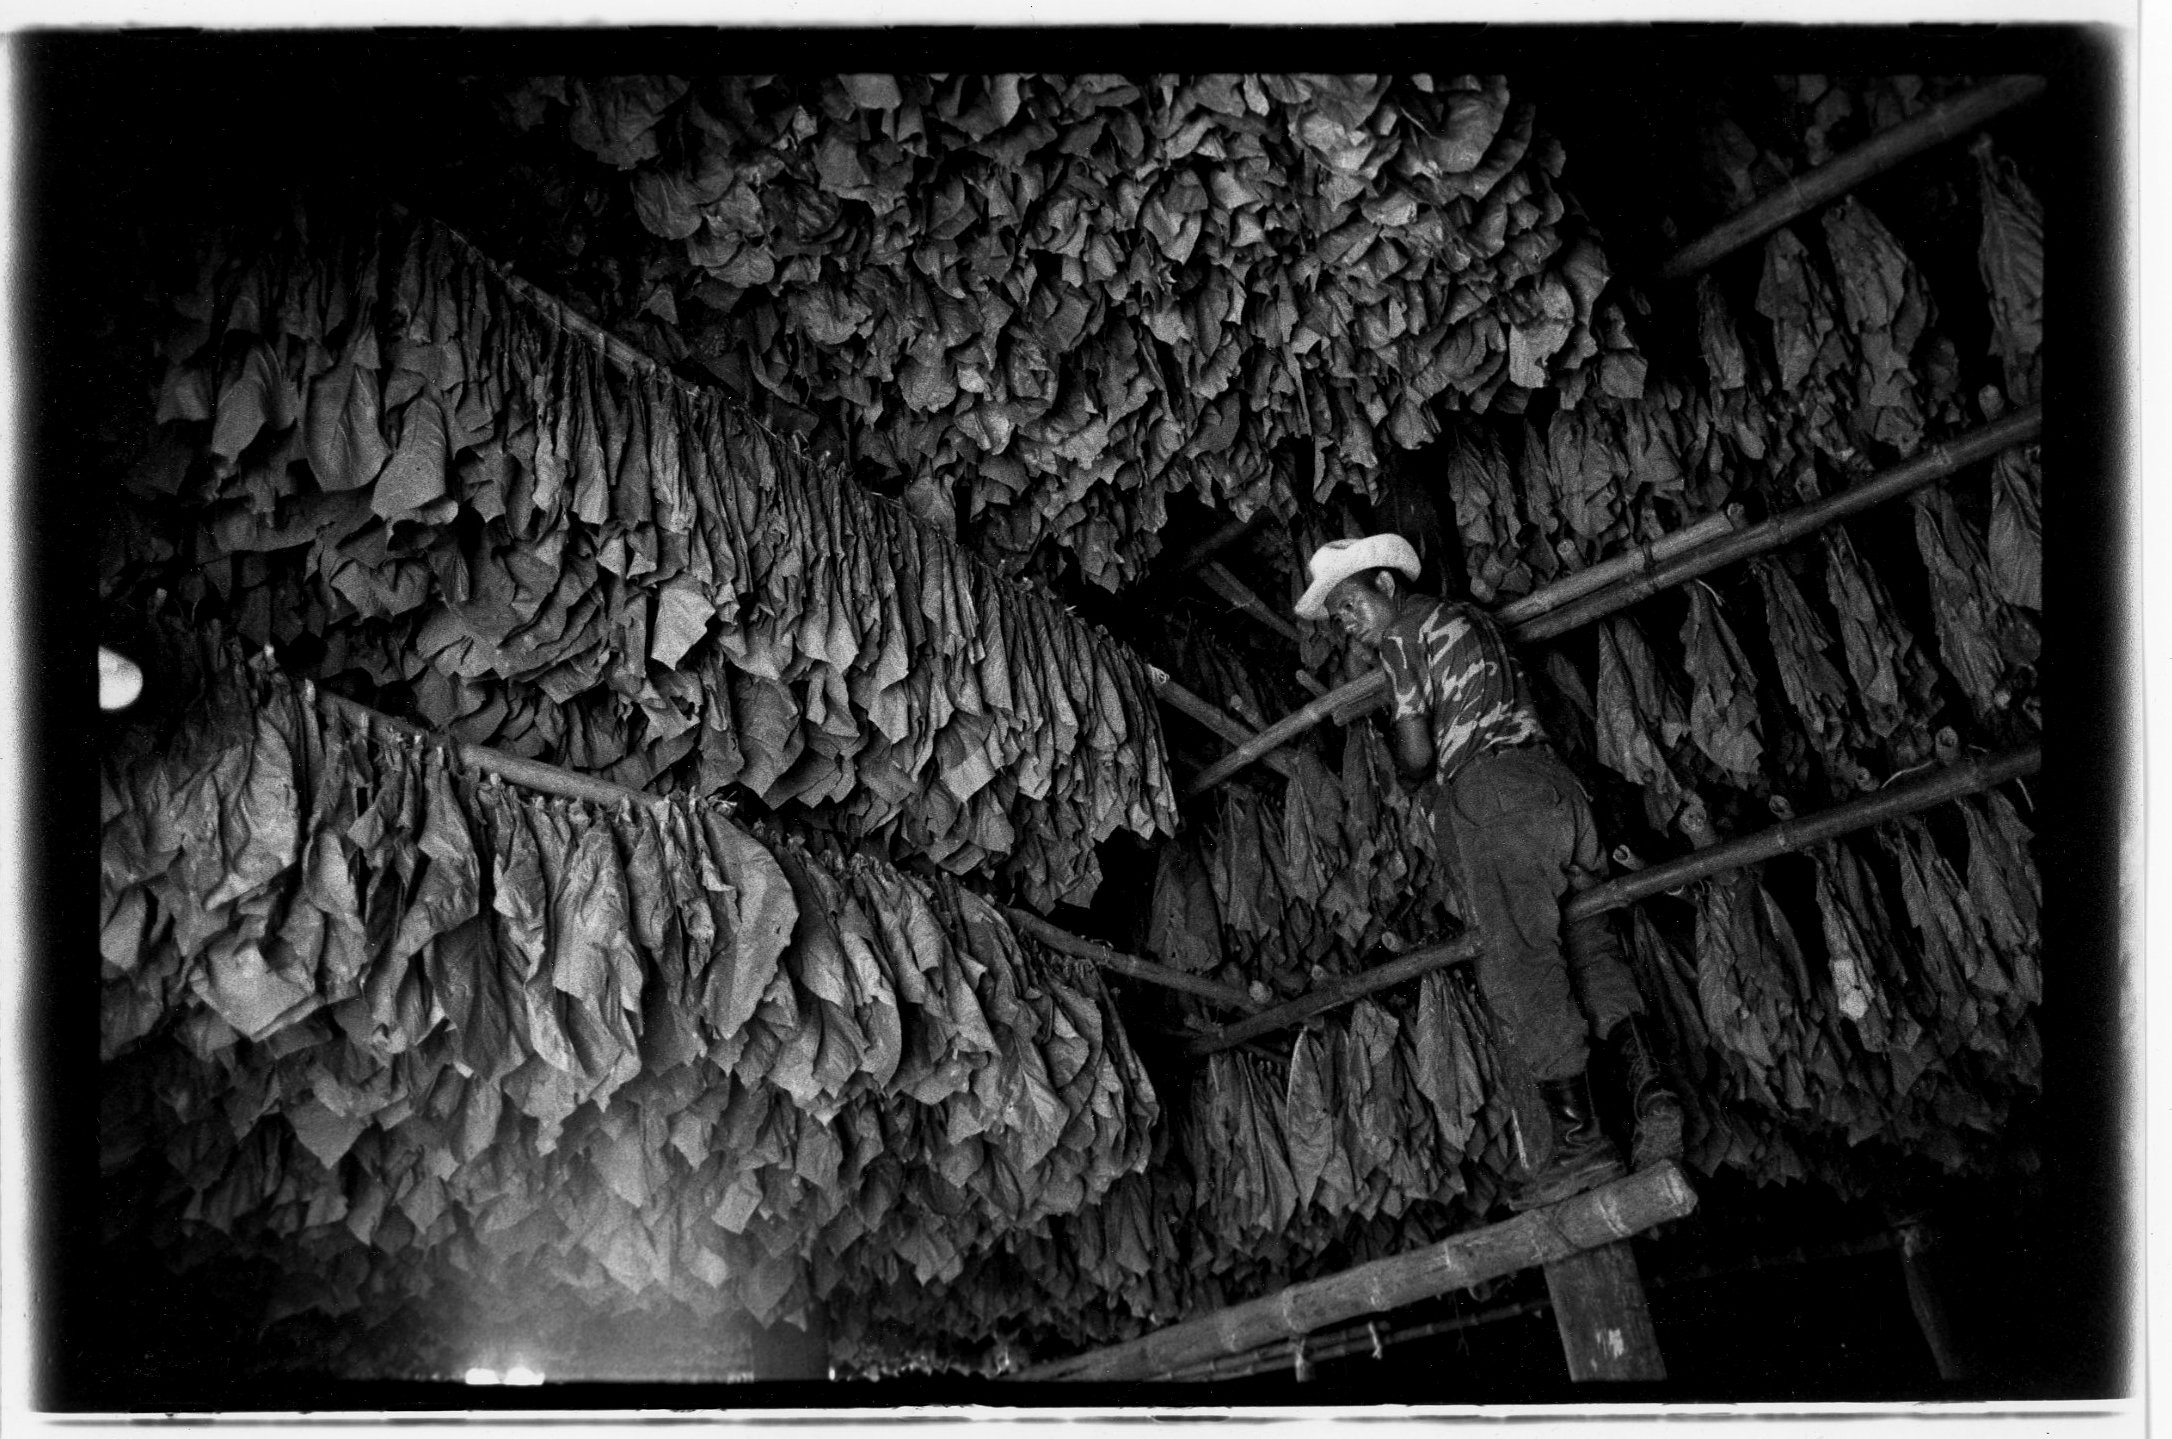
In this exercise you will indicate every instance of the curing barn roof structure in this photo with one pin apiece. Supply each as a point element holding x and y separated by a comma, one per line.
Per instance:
<point>726,753</point>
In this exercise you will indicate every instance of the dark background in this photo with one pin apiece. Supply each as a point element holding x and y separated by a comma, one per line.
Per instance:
<point>122,134</point>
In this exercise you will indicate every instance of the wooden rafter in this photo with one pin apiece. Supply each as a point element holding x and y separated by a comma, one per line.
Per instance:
<point>1596,1218</point>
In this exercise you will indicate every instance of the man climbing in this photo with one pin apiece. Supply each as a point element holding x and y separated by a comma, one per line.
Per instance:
<point>1522,833</point>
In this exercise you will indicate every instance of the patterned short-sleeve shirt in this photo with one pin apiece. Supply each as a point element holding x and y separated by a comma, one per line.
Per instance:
<point>1449,663</point>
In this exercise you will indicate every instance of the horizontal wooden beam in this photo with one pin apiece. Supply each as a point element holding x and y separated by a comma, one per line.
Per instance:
<point>1626,565</point>
<point>1596,1217</point>
<point>1345,989</point>
<point>1130,966</point>
<point>1950,783</point>
<point>1836,177</point>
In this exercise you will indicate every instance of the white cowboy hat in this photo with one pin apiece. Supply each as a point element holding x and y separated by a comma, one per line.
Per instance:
<point>1337,560</point>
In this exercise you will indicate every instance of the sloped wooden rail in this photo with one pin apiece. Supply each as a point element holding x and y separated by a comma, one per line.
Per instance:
<point>1589,1221</point>
<point>1347,989</point>
<point>1216,719</point>
<point>1681,561</point>
<point>1130,966</point>
<point>1948,784</point>
<point>1944,121</point>
<point>1951,783</point>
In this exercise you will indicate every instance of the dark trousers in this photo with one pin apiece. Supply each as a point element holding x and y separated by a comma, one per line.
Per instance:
<point>1524,840</point>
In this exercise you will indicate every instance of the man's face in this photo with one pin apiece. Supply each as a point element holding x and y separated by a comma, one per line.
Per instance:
<point>1363,608</point>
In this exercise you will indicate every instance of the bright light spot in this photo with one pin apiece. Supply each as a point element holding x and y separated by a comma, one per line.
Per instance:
<point>481,1376</point>
<point>522,1374</point>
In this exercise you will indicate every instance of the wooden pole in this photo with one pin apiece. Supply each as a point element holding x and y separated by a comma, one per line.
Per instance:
<point>1829,181</point>
<point>1625,565</point>
<point>1130,966</point>
<point>1346,989</point>
<point>1214,717</point>
<point>1663,572</point>
<point>1365,689</point>
<point>1599,1309</point>
<point>1950,783</point>
<point>1219,578</point>
<point>1934,464</point>
<point>1585,1221</point>
<point>527,773</point>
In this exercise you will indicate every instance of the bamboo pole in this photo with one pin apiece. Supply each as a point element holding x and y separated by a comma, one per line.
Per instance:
<point>1950,783</point>
<point>1131,966</point>
<point>1346,989</point>
<point>527,773</point>
<point>1213,716</point>
<point>1934,464</point>
<point>1629,563</point>
<point>1829,181</point>
<point>1664,572</point>
<point>1219,578</point>
<point>1599,1216</point>
<point>1364,690</point>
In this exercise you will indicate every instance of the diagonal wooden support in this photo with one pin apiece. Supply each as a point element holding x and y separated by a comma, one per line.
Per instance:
<point>1130,965</point>
<point>1596,1219</point>
<point>1971,776</point>
<point>1837,176</point>
<point>1336,992</point>
<point>1219,578</point>
<point>1213,716</point>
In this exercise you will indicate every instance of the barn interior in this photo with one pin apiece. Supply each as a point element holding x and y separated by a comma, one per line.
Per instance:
<point>728,798</point>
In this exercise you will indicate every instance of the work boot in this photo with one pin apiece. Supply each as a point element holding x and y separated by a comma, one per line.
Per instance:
<point>1654,1110</point>
<point>1583,1157</point>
